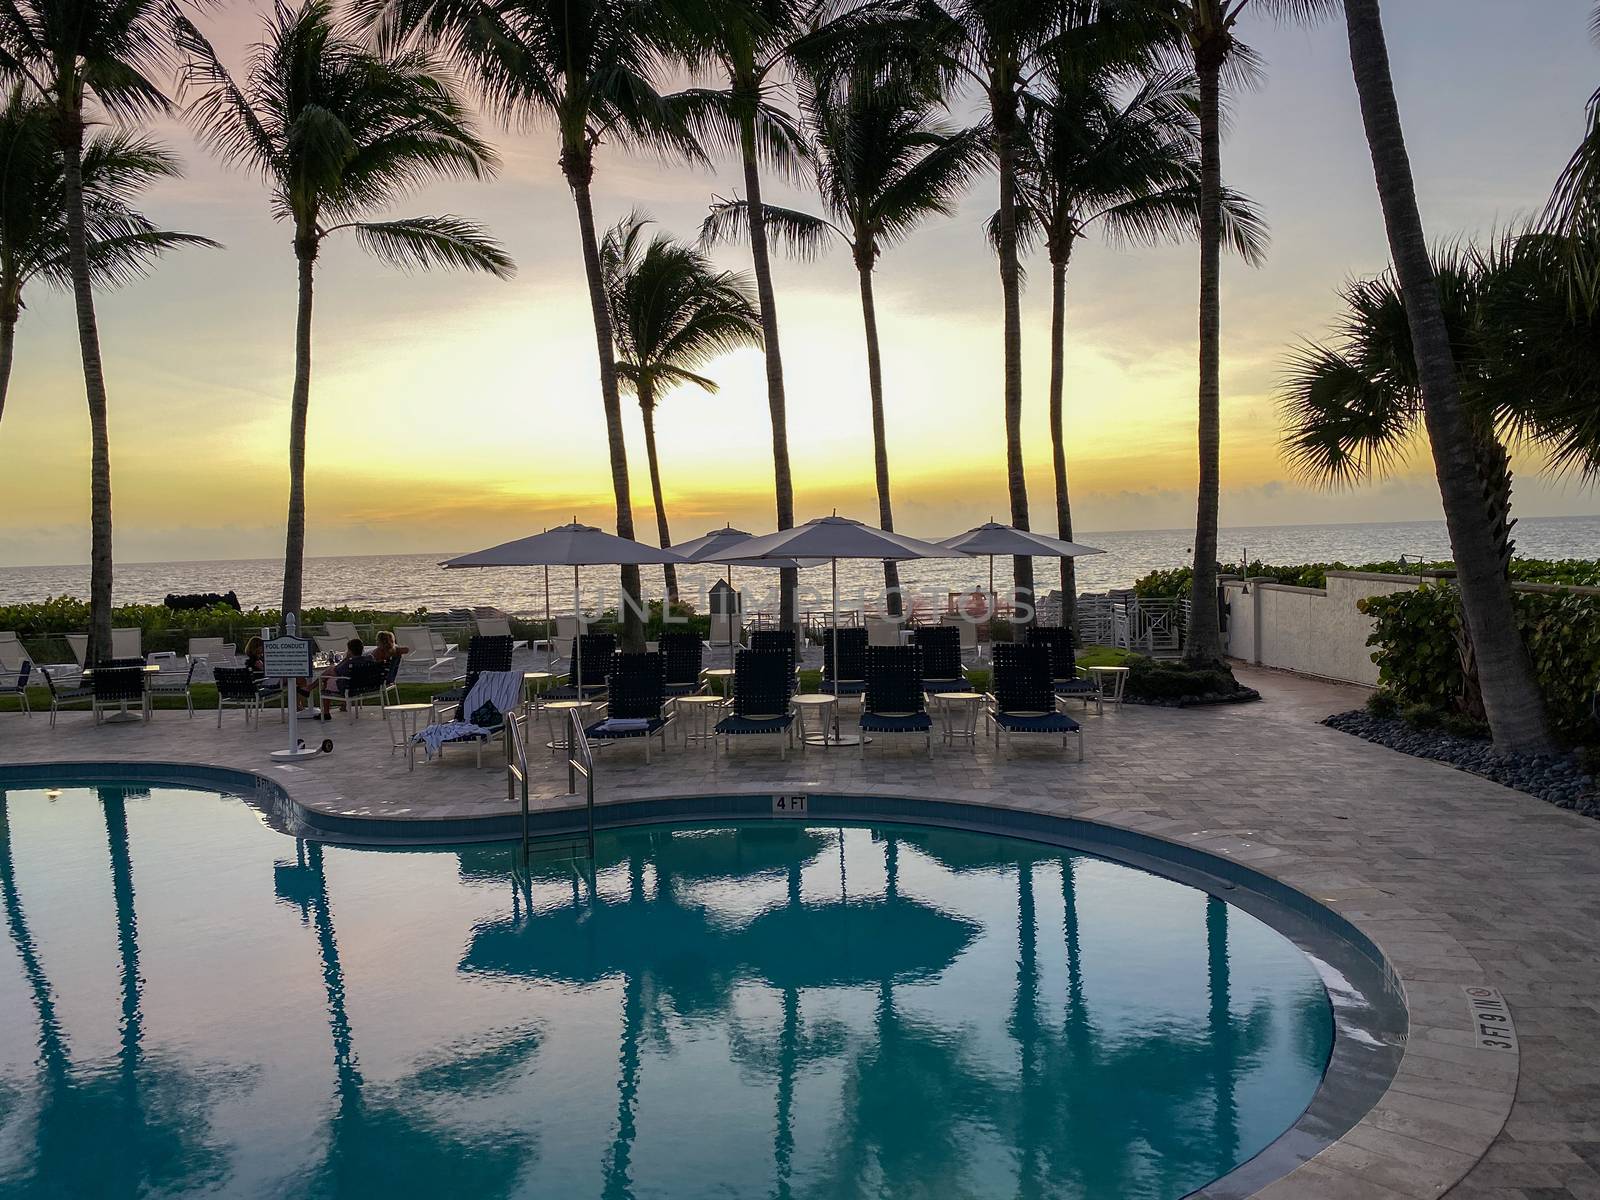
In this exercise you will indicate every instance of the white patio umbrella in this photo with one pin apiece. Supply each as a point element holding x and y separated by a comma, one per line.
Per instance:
<point>836,537</point>
<point>994,539</point>
<point>721,548</point>
<point>572,546</point>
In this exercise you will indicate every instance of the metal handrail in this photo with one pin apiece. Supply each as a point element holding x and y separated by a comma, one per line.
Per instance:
<point>580,761</point>
<point>517,770</point>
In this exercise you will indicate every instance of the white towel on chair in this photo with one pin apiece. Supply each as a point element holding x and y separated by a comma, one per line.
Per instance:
<point>503,689</point>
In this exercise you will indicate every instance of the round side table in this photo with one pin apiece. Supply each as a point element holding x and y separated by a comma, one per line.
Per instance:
<point>556,713</point>
<point>1112,681</point>
<point>534,685</point>
<point>402,731</point>
<point>825,707</point>
<point>697,712</point>
<point>958,712</point>
<point>722,676</point>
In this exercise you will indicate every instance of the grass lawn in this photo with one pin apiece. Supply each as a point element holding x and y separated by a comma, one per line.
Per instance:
<point>205,696</point>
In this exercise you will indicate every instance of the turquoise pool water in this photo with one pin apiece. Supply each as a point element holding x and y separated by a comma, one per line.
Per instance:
<point>192,1003</point>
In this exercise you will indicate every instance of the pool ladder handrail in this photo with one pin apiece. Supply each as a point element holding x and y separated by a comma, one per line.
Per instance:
<point>580,760</point>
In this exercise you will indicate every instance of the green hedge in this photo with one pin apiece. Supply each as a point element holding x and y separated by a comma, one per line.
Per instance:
<point>1414,642</point>
<point>1573,572</point>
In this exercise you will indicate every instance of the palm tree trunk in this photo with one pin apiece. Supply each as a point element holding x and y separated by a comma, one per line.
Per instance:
<point>880,441</point>
<point>94,384</point>
<point>647,407</point>
<point>1511,697</point>
<point>294,543</point>
<point>579,169</point>
<point>1058,439</point>
<point>1011,294</point>
<point>10,311</point>
<point>788,579</point>
<point>1204,641</point>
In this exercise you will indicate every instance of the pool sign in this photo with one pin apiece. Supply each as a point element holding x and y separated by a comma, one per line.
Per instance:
<point>1491,1019</point>
<point>287,657</point>
<point>790,805</point>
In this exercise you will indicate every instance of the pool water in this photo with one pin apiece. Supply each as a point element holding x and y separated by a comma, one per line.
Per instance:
<point>196,1004</point>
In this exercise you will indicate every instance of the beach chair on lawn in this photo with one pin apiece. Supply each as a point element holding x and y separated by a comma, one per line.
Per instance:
<point>480,719</point>
<point>211,653</point>
<point>847,676</point>
<point>941,659</point>
<point>1022,697</point>
<point>883,631</point>
<point>127,644</point>
<point>597,649</point>
<point>12,655</point>
<point>763,682</point>
<point>240,687</point>
<point>967,629</point>
<point>65,697</point>
<point>419,640</point>
<point>636,694</point>
<point>17,685</point>
<point>894,704</point>
<point>78,643</point>
<point>1068,679</point>
<point>495,627</point>
<point>682,657</point>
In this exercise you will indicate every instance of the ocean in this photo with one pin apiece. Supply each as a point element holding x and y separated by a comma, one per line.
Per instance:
<point>407,581</point>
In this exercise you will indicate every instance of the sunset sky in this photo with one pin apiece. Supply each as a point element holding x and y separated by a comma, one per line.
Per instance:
<point>452,411</point>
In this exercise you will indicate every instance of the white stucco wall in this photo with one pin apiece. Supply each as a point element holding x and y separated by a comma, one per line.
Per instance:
<point>1315,631</point>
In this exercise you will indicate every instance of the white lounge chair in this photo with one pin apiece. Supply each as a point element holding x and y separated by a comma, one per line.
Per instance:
<point>882,632</point>
<point>78,643</point>
<point>499,627</point>
<point>341,631</point>
<point>127,643</point>
<point>423,658</point>
<point>969,632</point>
<point>12,655</point>
<point>209,653</point>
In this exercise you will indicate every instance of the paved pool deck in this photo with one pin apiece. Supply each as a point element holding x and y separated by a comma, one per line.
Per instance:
<point>1462,883</point>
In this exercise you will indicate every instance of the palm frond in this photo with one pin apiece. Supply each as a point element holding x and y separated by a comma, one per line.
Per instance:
<point>420,243</point>
<point>120,259</point>
<point>1342,426</point>
<point>802,235</point>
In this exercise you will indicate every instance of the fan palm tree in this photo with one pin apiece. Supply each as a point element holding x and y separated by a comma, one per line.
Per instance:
<point>586,65</point>
<point>83,58</point>
<point>1575,202</point>
<point>339,132</point>
<point>1511,698</point>
<point>671,312</point>
<point>1097,157</point>
<point>1203,31</point>
<point>123,243</point>
<point>882,164</point>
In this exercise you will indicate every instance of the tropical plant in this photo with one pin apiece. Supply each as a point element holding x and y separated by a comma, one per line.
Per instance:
<point>671,312</point>
<point>586,66</point>
<point>1575,202</point>
<point>1111,146</point>
<point>122,243</point>
<point>338,132</point>
<point>83,58</point>
<point>1511,698</point>
<point>882,164</point>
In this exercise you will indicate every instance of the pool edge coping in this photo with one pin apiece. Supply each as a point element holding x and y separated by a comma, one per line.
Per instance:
<point>1409,1144</point>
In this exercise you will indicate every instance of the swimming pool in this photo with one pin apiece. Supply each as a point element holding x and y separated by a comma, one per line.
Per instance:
<point>200,1005</point>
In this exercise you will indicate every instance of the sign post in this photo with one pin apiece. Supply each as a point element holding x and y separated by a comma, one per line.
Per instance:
<point>289,658</point>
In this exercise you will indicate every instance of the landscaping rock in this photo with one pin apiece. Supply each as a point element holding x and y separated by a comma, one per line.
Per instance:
<point>1557,779</point>
<point>1243,696</point>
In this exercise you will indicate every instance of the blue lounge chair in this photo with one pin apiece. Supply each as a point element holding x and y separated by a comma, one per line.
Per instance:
<point>597,649</point>
<point>682,656</point>
<point>847,677</point>
<point>763,681</point>
<point>1066,677</point>
<point>1022,697</point>
<point>485,652</point>
<point>636,693</point>
<point>894,704</point>
<point>941,658</point>
<point>777,639</point>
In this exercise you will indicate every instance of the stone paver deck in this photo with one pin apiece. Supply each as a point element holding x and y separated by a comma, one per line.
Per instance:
<point>1460,882</point>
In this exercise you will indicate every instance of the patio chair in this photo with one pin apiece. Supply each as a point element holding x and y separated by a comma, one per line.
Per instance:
<point>484,653</point>
<point>116,686</point>
<point>894,703</point>
<point>1022,697</point>
<point>1067,679</point>
<point>636,694</point>
<point>479,719</point>
<point>12,655</point>
<point>78,643</point>
<point>65,697</point>
<point>967,628</point>
<point>496,627</point>
<point>763,681</point>
<point>883,631</point>
<point>419,640</point>
<point>941,659</point>
<point>17,685</point>
<point>596,657</point>
<point>368,680</point>
<point>239,687</point>
<point>340,632</point>
<point>777,639</point>
<point>127,643</point>
<point>682,656</point>
<point>847,677</point>
<point>725,631</point>
<point>176,682</point>
<point>210,653</point>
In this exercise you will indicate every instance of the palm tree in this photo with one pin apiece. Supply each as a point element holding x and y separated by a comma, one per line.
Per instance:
<point>882,165</point>
<point>586,65</point>
<point>1575,202</point>
<point>1203,30</point>
<point>339,132</point>
<point>1097,157</point>
<point>1511,697</point>
<point>80,56</point>
<point>671,312</point>
<point>123,243</point>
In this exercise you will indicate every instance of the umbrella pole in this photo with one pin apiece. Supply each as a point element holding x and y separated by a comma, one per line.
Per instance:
<point>549,629</point>
<point>577,642</point>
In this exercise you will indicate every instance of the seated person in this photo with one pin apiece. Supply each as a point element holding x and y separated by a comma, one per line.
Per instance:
<point>386,649</point>
<point>337,677</point>
<point>255,657</point>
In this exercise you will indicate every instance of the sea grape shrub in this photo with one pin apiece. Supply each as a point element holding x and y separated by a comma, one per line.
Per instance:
<point>1164,680</point>
<point>1382,703</point>
<point>1419,662</point>
<point>1569,572</point>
